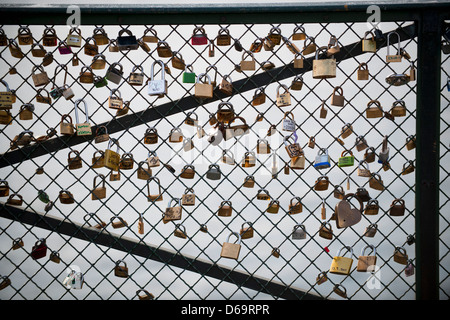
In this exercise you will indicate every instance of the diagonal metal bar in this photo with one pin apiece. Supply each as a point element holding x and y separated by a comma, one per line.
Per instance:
<point>156,253</point>
<point>186,103</point>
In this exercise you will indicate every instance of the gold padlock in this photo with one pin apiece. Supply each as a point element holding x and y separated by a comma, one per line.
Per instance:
<point>26,111</point>
<point>98,161</point>
<point>66,197</point>
<point>321,183</point>
<point>247,232</point>
<point>323,68</point>
<point>180,231</point>
<point>273,206</point>
<point>112,158</point>
<point>126,161</point>
<point>340,264</point>
<point>296,207</point>
<point>248,65</point>
<point>363,71</point>
<point>410,142</point>
<point>398,108</point>
<point>259,97</point>
<point>225,209</point>
<point>369,45</point>
<point>74,162</point>
<point>144,173</point>
<point>25,36</point>
<point>99,192</point>
<point>338,100</point>
<point>249,182</point>
<point>400,255</point>
<point>309,46</point>
<point>174,212</point>
<point>118,224</point>
<point>408,167</point>
<point>283,99</point>
<point>188,172</point>
<point>231,250</point>
<point>375,182</point>
<point>188,197</point>
<point>41,78</point>
<point>374,112</point>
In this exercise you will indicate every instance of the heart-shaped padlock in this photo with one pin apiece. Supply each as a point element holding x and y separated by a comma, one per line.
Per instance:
<point>347,216</point>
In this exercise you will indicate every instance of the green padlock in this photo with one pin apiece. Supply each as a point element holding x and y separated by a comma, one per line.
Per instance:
<point>100,82</point>
<point>346,160</point>
<point>43,196</point>
<point>189,74</point>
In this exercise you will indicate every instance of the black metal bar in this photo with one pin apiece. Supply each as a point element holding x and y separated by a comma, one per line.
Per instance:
<point>141,249</point>
<point>427,155</point>
<point>183,104</point>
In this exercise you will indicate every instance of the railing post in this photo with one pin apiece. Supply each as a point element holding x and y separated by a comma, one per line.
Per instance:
<point>427,156</point>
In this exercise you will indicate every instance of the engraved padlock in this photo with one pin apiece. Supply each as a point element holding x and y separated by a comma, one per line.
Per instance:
<point>157,87</point>
<point>323,68</point>
<point>340,264</point>
<point>393,57</point>
<point>299,232</point>
<point>82,129</point>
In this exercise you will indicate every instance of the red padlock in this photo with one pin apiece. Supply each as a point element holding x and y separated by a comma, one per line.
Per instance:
<point>199,37</point>
<point>39,250</point>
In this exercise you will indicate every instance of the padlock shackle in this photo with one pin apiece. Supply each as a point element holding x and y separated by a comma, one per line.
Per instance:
<point>349,249</point>
<point>163,72</point>
<point>369,246</point>
<point>238,236</point>
<point>398,41</point>
<point>101,176</point>
<point>114,141</point>
<point>200,76</point>
<point>77,102</point>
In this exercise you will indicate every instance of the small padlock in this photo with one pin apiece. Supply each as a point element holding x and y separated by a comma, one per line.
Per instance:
<point>288,122</point>
<point>157,196</point>
<point>177,61</point>
<point>369,45</point>
<point>325,231</point>
<point>126,161</point>
<point>262,146</point>
<point>321,183</point>
<point>163,49</point>
<point>86,75</point>
<point>249,182</point>
<point>228,157</point>
<point>26,111</point>
<point>223,37</point>
<point>293,149</point>
<point>6,97</point>
<point>362,194</point>
<point>151,136</point>
<point>55,257</point>
<point>372,207</point>
<point>410,142</point>
<point>188,172</point>
<point>157,87</point>
<point>15,199</point>
<point>374,112</point>
<point>112,158</point>
<point>338,99</point>
<point>136,78</point>
<point>340,290</point>
<point>118,224</point>
<point>98,161</point>
<point>338,192</point>
<point>144,173</point>
<point>322,160</point>
<point>346,130</point>
<point>361,144</point>
<point>176,135</point>
<point>231,250</point>
<point>408,167</point>
<point>299,232</point>
<point>275,252</point>
<point>397,208</point>
<point>38,51</point>
<point>367,262</point>
<point>363,71</point>
<point>371,230</point>
<point>309,46</point>
<point>257,45</point>
<point>396,57</point>
<point>173,212</point>
<point>74,162</point>
<point>66,128</point>
<point>297,83</point>
<point>262,194</point>
<point>283,99</point>
<point>246,232</point>
<point>101,134</point>
<point>225,209</point>
<point>247,65</point>
<point>273,206</point>
<point>295,207</point>
<point>199,37</point>
<point>188,197</point>
<point>17,244</point>
<point>363,169</point>
<point>82,129</point>
<point>323,111</point>
<point>74,37</point>
<point>299,61</point>
<point>369,155</point>
<point>189,74</point>
<point>248,160</point>
<point>39,79</point>
<point>128,42</point>
<point>259,97</point>
<point>375,182</point>
<point>99,192</point>
<point>340,264</point>
<point>213,172</point>
<point>153,159</point>
<point>321,278</point>
<point>90,49</point>
<point>323,68</point>
<point>400,255</point>
<point>346,160</point>
<point>39,250</point>
<point>225,112</point>
<point>121,269</point>
<point>24,35</point>
<point>203,90</point>
<point>226,85</point>
<point>114,73</point>
<point>66,197</point>
<point>398,108</point>
<point>333,46</point>
<point>180,231</point>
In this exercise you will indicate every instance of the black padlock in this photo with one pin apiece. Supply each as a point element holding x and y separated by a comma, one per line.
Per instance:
<point>128,42</point>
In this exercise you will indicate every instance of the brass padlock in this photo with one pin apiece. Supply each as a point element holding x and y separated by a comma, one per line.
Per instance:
<point>400,255</point>
<point>408,167</point>
<point>321,183</point>
<point>273,206</point>
<point>18,201</point>
<point>86,75</point>
<point>174,212</point>
<point>363,169</point>
<point>295,207</point>
<point>99,192</point>
<point>372,207</point>
<point>177,61</point>
<point>74,162</point>
<point>410,142</point>
<point>100,224</point>
<point>363,71</point>
<point>118,224</point>
<point>163,49</point>
<point>397,208</point>
<point>17,244</point>
<point>152,38</point>
<point>225,112</point>
<point>236,130</point>
<point>126,161</point>
<point>100,36</point>
<point>188,172</point>
<point>325,231</point>
<point>309,46</point>
<point>180,231</point>
<point>157,196</point>
<point>371,230</point>
<point>283,99</point>
<point>257,45</point>
<point>323,111</point>
<point>340,290</point>
<point>151,136</point>
<point>112,158</point>
<point>26,111</point>
<point>297,83</point>
<point>249,182</point>
<point>223,37</point>
<point>74,37</point>
<point>293,149</point>
<point>321,278</point>
<point>231,250</point>
<point>259,97</point>
<point>24,35</point>
<point>248,160</point>
<point>203,90</point>
<point>263,194</point>
<point>90,49</point>
<point>275,252</point>
<point>144,173</point>
<point>55,257</point>
<point>226,85</point>
<point>176,135</point>
<point>374,112</point>
<point>228,157</point>
<point>323,68</point>
<point>262,146</point>
<point>188,197</point>
<point>347,130</point>
<point>247,232</point>
<point>66,128</point>
<point>136,78</point>
<point>38,51</point>
<point>398,108</point>
<point>4,188</point>
<point>333,46</point>
<point>340,264</point>
<point>369,45</point>
<point>66,197</point>
<point>14,49</point>
<point>248,65</point>
<point>338,100</point>
<point>299,33</point>
<point>367,262</point>
<point>225,209</point>
<point>375,182</point>
<point>369,155</point>
<point>98,161</point>
<point>338,192</point>
<point>6,97</point>
<point>39,79</point>
<point>121,271</point>
<point>361,144</point>
<point>299,61</point>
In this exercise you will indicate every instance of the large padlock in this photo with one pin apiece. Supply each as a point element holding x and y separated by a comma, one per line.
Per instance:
<point>66,127</point>
<point>99,192</point>
<point>136,78</point>
<point>128,42</point>
<point>283,99</point>
<point>347,159</point>
<point>288,122</point>
<point>155,196</point>
<point>369,44</point>
<point>151,136</point>
<point>188,172</point>
<point>367,262</point>
<point>66,197</point>
<point>112,158</point>
<point>39,249</point>
<point>126,161</point>
<point>372,207</point>
<point>213,172</point>
<point>188,197</point>
<point>363,71</point>
<point>347,216</point>
<point>199,37</point>
<point>398,108</point>
<point>82,129</point>
<point>225,209</point>
<point>203,90</point>
<point>114,73</point>
<point>76,161</point>
<point>295,206</point>
<point>299,232</point>
<point>393,57</point>
<point>324,68</point>
<point>231,250</point>
<point>247,232</point>
<point>326,231</point>
<point>6,97</point>
<point>157,87</point>
<point>338,100</point>
<point>121,269</point>
<point>41,78</point>
<point>322,160</point>
<point>397,208</point>
<point>375,111</point>
<point>247,65</point>
<point>173,212</point>
<point>400,255</point>
<point>340,264</point>
<point>293,149</point>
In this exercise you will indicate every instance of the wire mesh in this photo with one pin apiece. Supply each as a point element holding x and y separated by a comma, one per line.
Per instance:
<point>299,261</point>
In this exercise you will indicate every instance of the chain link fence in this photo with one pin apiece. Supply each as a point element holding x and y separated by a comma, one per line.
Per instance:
<point>110,226</point>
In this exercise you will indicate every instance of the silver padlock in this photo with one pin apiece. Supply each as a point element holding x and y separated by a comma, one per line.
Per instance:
<point>157,87</point>
<point>288,122</point>
<point>82,129</point>
<point>114,73</point>
<point>213,172</point>
<point>322,160</point>
<point>393,57</point>
<point>299,232</point>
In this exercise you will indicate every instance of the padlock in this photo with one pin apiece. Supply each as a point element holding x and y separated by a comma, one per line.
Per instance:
<point>408,167</point>
<point>55,257</point>
<point>325,231</point>
<point>275,252</point>
<point>63,49</point>
<point>312,142</point>
<point>15,199</point>
<point>333,46</point>
<point>126,161</point>
<point>321,278</point>
<point>40,98</point>
<point>86,75</point>
<point>144,173</point>
<point>298,33</point>
<point>362,194</point>
<point>374,112</point>
<point>225,112</point>
<point>322,160</point>
<point>136,78</point>
<point>115,100</point>
<point>101,134</point>
<point>6,97</point>
<point>203,90</point>
<point>321,183</point>
<point>112,158</point>
<point>346,130</point>
<point>66,128</point>
<point>150,38</point>
<point>369,45</point>
<point>74,162</point>
<point>90,49</point>
<point>338,99</point>
<point>363,169</point>
<point>247,65</point>
<point>372,207</point>
<point>236,130</point>
<point>99,192</point>
<point>39,79</point>
<point>228,157</point>
<point>114,73</point>
<point>299,232</point>
<point>293,149</point>
<point>153,159</point>
<point>199,37</point>
<point>74,37</point>
<point>249,182</point>
<point>38,51</point>
<point>346,160</point>
<point>283,99</point>
<point>363,71</point>
<point>375,182</point>
<point>4,188</point>
<point>151,136</point>
<point>369,155</point>
<point>118,224</point>
<point>100,36</point>
<point>17,244</point>
<point>397,208</point>
<point>188,197</point>
<point>14,49</point>
<point>223,37</point>
<point>128,42</point>
<point>177,61</point>
<point>297,83</point>
<point>248,160</point>
<point>288,122</point>
<point>100,82</point>
<point>82,129</point>
<point>24,35</point>
<point>189,74</point>
<point>225,209</point>
<point>259,97</point>
<point>398,108</point>
<point>188,172</point>
<point>273,206</point>
<point>367,262</point>
<point>338,192</point>
<point>400,255</point>
<point>213,172</point>
<point>267,65</point>
<point>39,249</point>
<point>98,161</point>
<point>340,290</point>
<point>262,146</point>
<point>395,57</point>
<point>176,135</point>
<point>323,68</point>
<point>121,269</point>
<point>246,232</point>
<point>66,197</point>
<point>371,230</point>
<point>156,196</point>
<point>257,45</point>
<point>26,111</point>
<point>412,72</point>
<point>340,264</point>
<point>309,46</point>
<point>397,79</point>
<point>231,250</point>
<point>163,49</point>
<point>295,207</point>
<point>262,194</point>
<point>347,216</point>
<point>298,61</point>
<point>410,142</point>
<point>226,85</point>
<point>361,143</point>
<point>383,156</point>
<point>157,87</point>
<point>3,38</point>
<point>180,231</point>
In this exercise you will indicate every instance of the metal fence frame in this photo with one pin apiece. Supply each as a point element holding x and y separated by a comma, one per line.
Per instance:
<point>429,21</point>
